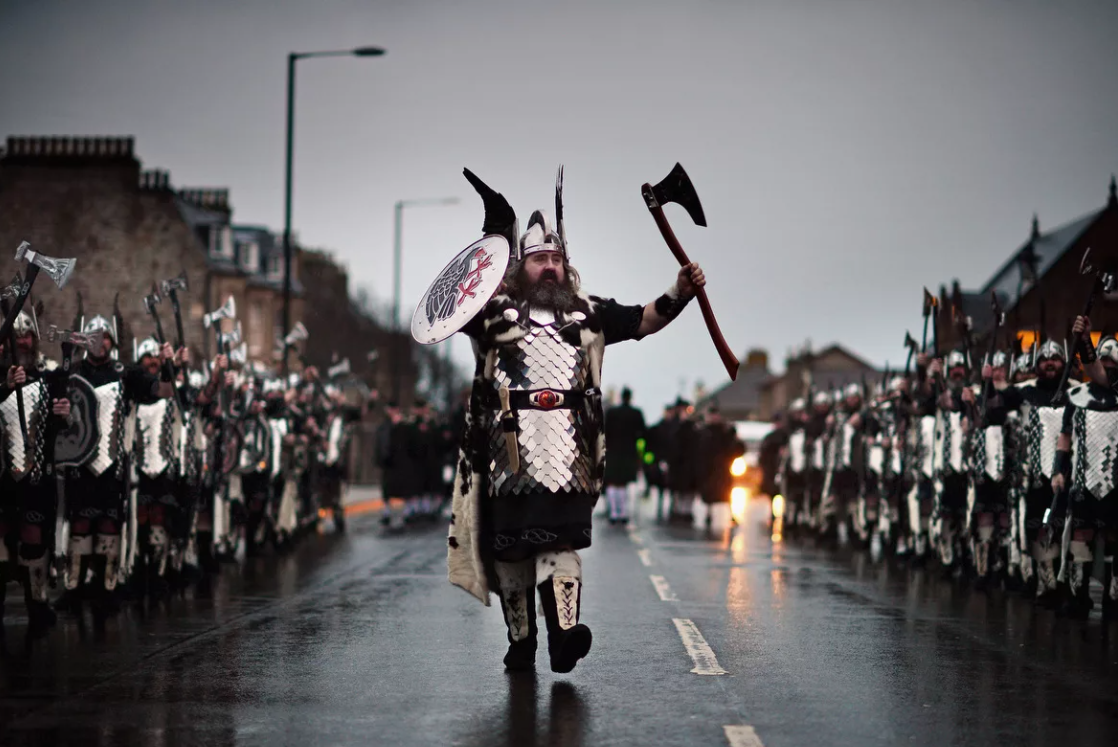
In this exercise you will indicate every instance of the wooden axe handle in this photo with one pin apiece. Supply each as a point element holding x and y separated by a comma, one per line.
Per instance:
<point>729,360</point>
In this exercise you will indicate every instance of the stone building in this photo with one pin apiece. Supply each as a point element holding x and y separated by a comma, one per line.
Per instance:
<point>1040,287</point>
<point>88,198</point>
<point>741,399</point>
<point>831,368</point>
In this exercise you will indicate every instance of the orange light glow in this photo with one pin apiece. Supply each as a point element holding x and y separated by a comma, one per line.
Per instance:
<point>739,498</point>
<point>1025,340</point>
<point>778,506</point>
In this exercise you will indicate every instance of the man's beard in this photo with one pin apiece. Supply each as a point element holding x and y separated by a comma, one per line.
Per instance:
<point>548,293</point>
<point>27,358</point>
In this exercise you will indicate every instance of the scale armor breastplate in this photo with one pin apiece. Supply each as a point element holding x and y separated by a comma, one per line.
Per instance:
<point>155,438</point>
<point>1044,424</point>
<point>925,446</point>
<point>25,458</point>
<point>846,446</point>
<point>797,455</point>
<point>990,453</point>
<point>556,450</point>
<point>110,418</point>
<point>819,453</point>
<point>952,442</point>
<point>1094,451</point>
<point>334,441</point>
<point>277,429</point>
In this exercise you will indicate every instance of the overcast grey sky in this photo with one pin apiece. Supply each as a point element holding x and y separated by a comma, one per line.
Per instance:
<point>847,152</point>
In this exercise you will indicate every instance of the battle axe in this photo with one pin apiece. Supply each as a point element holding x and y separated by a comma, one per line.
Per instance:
<point>676,187</point>
<point>58,269</point>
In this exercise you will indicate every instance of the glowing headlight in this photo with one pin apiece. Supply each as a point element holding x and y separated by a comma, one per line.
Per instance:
<point>778,506</point>
<point>737,469</point>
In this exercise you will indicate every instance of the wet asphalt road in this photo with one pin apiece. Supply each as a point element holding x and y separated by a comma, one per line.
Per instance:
<point>358,639</point>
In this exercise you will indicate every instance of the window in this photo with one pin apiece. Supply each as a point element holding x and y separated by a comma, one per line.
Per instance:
<point>275,266</point>
<point>226,247</point>
<point>256,329</point>
<point>250,256</point>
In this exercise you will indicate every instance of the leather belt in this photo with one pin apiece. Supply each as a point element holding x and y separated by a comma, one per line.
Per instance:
<point>548,399</point>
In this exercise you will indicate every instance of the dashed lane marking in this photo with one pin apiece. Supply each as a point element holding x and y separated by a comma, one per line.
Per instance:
<point>742,736</point>
<point>699,650</point>
<point>645,555</point>
<point>662,588</point>
<point>637,539</point>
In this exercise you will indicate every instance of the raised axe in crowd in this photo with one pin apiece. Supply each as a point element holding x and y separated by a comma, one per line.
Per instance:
<point>677,187</point>
<point>151,306</point>
<point>170,289</point>
<point>1103,282</point>
<point>991,347</point>
<point>59,271</point>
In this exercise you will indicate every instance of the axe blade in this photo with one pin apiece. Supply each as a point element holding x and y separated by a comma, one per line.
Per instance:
<point>175,284</point>
<point>677,187</point>
<point>1085,267</point>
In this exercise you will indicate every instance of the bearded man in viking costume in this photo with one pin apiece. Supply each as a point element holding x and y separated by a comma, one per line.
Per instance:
<point>532,460</point>
<point>28,488</point>
<point>96,491</point>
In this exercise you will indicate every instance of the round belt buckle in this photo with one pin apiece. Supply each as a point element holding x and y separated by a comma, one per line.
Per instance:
<point>547,399</point>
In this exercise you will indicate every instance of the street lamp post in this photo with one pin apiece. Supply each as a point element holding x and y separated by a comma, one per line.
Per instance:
<point>292,58</point>
<point>397,252</point>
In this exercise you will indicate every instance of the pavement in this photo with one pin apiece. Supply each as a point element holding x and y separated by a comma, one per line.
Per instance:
<point>727,638</point>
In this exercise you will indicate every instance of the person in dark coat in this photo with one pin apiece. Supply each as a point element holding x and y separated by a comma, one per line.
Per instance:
<point>683,467</point>
<point>660,441</point>
<point>718,447</point>
<point>624,426</point>
<point>769,457</point>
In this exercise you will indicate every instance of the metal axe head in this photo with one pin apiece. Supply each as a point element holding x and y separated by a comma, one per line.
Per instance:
<point>12,291</point>
<point>1085,266</point>
<point>338,369</point>
<point>91,342</point>
<point>239,354</point>
<point>677,187</point>
<point>152,300</point>
<point>929,302</point>
<point>298,333</point>
<point>226,311</point>
<point>58,269</point>
<point>179,283</point>
<point>909,342</point>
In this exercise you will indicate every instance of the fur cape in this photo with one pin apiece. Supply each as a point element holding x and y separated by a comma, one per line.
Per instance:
<point>468,566</point>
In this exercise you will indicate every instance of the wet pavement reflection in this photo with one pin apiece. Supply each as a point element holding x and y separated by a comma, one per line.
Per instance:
<point>358,639</point>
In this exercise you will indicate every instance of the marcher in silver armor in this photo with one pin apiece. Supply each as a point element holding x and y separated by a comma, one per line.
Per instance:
<point>523,504</point>
<point>157,450</point>
<point>28,486</point>
<point>1042,416</point>
<point>955,409</point>
<point>992,459</point>
<point>793,466</point>
<point>845,465</point>
<point>1085,468</point>
<point>96,492</point>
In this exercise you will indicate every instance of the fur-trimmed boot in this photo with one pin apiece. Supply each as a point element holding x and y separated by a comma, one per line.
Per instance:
<point>37,570</point>
<point>559,581</point>
<point>517,591</point>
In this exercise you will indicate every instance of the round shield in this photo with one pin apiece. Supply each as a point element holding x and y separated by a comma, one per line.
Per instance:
<point>77,441</point>
<point>461,290</point>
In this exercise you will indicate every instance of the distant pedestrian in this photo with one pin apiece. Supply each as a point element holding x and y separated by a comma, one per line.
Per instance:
<point>624,427</point>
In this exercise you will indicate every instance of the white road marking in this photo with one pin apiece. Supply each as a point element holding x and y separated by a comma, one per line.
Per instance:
<point>742,736</point>
<point>645,555</point>
<point>698,649</point>
<point>636,538</point>
<point>663,589</point>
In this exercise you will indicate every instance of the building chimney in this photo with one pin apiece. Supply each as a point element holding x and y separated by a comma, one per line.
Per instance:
<point>1112,199</point>
<point>1035,233</point>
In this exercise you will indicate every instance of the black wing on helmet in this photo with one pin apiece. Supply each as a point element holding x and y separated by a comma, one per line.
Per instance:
<point>500,218</point>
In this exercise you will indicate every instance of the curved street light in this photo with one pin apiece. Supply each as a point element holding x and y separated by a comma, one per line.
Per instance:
<point>292,58</point>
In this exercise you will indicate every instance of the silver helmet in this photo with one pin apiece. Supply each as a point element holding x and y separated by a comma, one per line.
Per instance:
<point>1051,350</point>
<point>852,389</point>
<point>1000,360</point>
<point>1108,349</point>
<point>822,399</point>
<point>541,236</point>
<point>797,405</point>
<point>897,383</point>
<point>196,379</point>
<point>148,347</point>
<point>955,359</point>
<point>100,323</point>
<point>1022,364</point>
<point>24,325</point>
